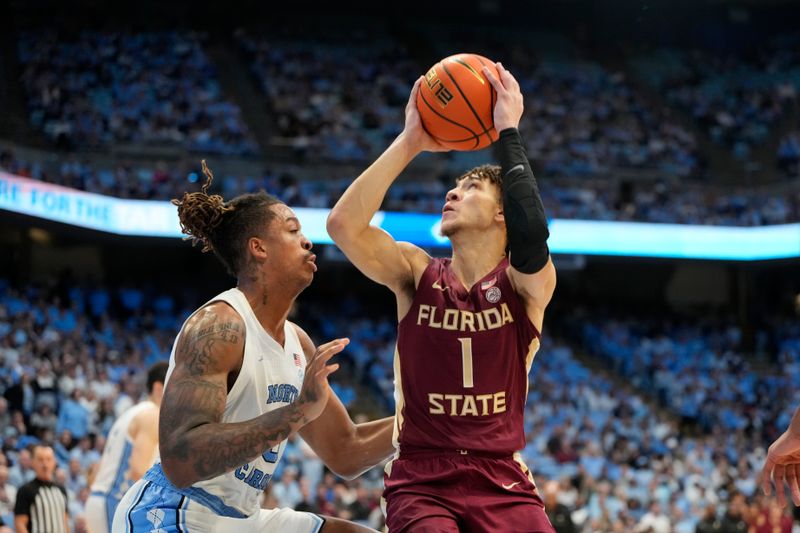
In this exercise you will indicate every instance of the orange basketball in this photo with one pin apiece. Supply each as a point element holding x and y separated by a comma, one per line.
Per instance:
<point>456,102</point>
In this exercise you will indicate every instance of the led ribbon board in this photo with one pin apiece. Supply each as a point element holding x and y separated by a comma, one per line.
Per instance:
<point>159,219</point>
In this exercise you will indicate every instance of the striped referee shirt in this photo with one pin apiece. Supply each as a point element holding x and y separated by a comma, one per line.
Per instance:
<point>45,504</point>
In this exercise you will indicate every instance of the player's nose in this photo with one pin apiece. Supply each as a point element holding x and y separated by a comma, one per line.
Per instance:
<point>452,194</point>
<point>307,244</point>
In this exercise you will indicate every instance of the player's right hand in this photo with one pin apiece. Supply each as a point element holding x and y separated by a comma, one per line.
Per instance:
<point>316,389</point>
<point>783,464</point>
<point>414,134</point>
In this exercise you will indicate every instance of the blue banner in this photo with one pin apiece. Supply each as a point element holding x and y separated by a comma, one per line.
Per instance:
<point>160,219</point>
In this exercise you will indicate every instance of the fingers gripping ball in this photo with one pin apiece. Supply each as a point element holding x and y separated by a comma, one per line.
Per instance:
<point>456,102</point>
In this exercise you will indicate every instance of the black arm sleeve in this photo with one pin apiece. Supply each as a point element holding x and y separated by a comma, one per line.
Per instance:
<point>526,223</point>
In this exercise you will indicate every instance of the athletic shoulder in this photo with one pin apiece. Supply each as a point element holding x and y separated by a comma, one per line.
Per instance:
<point>415,255</point>
<point>215,328</point>
<point>216,312</point>
<point>417,258</point>
<point>305,339</point>
<point>148,413</point>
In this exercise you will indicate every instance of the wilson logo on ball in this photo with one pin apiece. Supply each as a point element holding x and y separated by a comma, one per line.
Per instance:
<point>439,90</point>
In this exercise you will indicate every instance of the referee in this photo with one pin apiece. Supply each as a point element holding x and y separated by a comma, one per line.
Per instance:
<point>41,505</point>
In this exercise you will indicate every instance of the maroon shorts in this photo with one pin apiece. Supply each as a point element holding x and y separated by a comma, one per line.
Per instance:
<point>449,492</point>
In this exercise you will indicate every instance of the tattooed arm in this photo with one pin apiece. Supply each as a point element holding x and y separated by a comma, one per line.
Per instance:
<point>194,444</point>
<point>346,448</point>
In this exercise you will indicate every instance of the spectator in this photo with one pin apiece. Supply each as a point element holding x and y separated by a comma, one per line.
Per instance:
<point>167,93</point>
<point>5,417</point>
<point>557,512</point>
<point>287,493</point>
<point>73,416</point>
<point>709,523</point>
<point>655,520</point>
<point>21,395</point>
<point>8,494</point>
<point>44,419</point>
<point>22,471</point>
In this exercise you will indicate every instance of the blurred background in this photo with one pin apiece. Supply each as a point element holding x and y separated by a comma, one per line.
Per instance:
<point>662,376</point>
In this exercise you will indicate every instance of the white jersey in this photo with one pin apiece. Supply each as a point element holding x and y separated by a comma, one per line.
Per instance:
<point>110,479</point>
<point>271,377</point>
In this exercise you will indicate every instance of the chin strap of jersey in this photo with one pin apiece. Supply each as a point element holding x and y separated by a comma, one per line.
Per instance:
<point>526,223</point>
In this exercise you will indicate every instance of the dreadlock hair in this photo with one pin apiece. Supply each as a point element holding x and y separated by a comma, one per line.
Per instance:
<point>490,173</point>
<point>224,227</point>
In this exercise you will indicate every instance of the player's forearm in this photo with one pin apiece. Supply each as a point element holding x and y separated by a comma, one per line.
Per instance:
<point>375,442</point>
<point>362,199</point>
<point>212,449</point>
<point>526,223</point>
<point>370,444</point>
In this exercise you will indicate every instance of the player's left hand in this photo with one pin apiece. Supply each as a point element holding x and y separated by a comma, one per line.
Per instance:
<point>509,106</point>
<point>783,464</point>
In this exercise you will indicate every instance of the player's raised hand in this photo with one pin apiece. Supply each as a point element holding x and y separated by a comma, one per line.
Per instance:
<point>509,106</point>
<point>315,391</point>
<point>419,139</point>
<point>783,464</point>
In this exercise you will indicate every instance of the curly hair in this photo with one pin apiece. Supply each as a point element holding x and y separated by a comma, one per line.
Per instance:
<point>490,173</point>
<point>224,227</point>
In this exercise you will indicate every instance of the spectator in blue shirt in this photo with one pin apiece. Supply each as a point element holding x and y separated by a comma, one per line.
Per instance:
<point>73,417</point>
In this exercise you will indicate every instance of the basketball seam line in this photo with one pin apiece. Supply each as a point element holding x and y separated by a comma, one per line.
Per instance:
<point>493,92</point>
<point>484,132</point>
<point>469,104</point>
<point>474,135</point>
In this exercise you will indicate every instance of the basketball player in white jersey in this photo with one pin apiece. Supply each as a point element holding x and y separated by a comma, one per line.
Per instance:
<point>131,448</point>
<point>242,379</point>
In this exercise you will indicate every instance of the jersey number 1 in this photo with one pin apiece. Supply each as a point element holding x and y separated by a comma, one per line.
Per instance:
<point>466,361</point>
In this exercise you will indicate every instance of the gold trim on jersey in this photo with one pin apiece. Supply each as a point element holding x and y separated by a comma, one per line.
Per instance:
<point>398,411</point>
<point>533,347</point>
<point>383,510</point>
<point>525,470</point>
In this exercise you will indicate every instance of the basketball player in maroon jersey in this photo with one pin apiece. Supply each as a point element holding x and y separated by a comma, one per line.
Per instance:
<point>469,327</point>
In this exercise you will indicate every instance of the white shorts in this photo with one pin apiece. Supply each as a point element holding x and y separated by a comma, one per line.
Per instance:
<point>148,507</point>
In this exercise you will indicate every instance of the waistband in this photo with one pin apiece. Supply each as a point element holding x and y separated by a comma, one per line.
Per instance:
<point>421,453</point>
<point>156,476</point>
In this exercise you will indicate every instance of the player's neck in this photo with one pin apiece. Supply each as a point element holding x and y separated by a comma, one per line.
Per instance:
<point>271,305</point>
<point>474,260</point>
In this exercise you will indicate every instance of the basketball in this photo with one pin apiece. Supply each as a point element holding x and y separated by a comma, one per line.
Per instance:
<point>456,102</point>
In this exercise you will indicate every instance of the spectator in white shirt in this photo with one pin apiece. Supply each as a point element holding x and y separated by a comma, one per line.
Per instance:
<point>655,520</point>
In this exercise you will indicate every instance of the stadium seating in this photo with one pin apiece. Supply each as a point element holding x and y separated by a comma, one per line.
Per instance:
<point>98,88</point>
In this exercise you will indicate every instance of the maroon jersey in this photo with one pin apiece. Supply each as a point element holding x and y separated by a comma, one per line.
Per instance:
<point>462,364</point>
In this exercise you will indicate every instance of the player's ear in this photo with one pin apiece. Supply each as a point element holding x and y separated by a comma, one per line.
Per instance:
<point>257,248</point>
<point>498,213</point>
